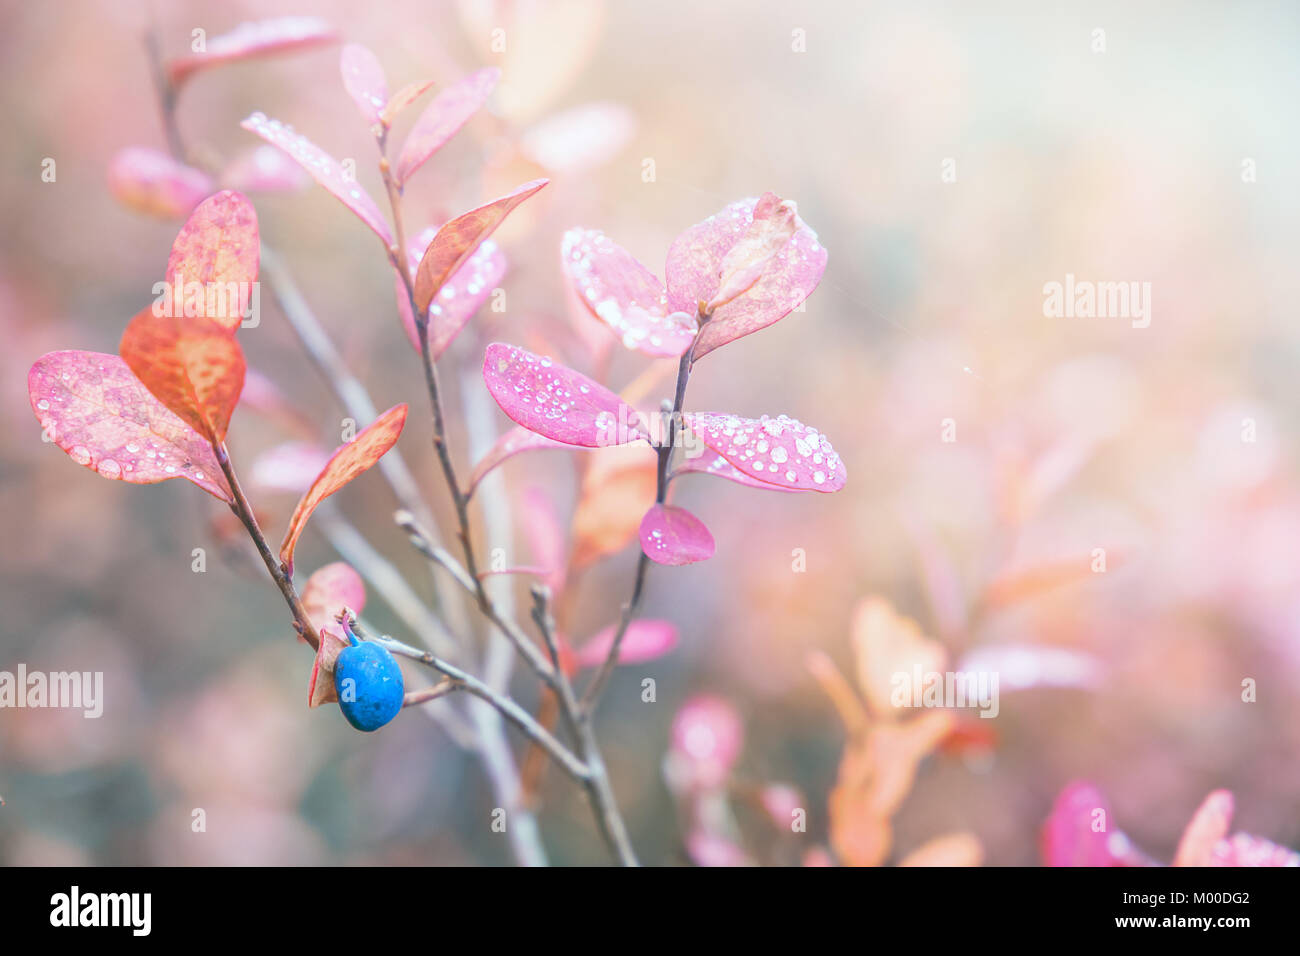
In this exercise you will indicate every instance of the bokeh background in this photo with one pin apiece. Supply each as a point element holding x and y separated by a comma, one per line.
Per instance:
<point>1071,434</point>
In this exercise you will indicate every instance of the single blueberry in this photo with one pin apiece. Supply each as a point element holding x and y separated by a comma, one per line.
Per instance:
<point>369,684</point>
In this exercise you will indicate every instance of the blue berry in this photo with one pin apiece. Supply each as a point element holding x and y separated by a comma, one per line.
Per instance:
<point>369,684</point>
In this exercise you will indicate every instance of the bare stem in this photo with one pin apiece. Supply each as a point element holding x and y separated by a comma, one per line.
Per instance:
<point>244,511</point>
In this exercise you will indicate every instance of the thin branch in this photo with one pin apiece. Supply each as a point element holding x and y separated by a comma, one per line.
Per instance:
<point>510,710</point>
<point>244,511</point>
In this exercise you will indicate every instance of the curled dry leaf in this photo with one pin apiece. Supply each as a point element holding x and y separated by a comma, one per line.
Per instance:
<point>456,241</point>
<point>557,402</point>
<point>625,295</point>
<point>190,364</point>
<point>320,688</point>
<point>349,461</point>
<point>151,182</point>
<point>363,78</point>
<point>217,248</point>
<point>262,38</point>
<point>330,589</point>
<point>646,639</point>
<point>619,486</point>
<point>885,644</point>
<point>779,451</point>
<point>443,117</point>
<point>460,297</point>
<point>324,168</point>
<point>672,535</point>
<point>96,410</point>
<point>736,260</point>
<point>263,168</point>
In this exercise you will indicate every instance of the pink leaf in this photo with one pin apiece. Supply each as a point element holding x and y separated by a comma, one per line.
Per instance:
<point>1082,832</point>
<point>96,410</point>
<point>456,241</point>
<point>443,117</point>
<point>512,442</point>
<point>779,451</point>
<point>329,590</point>
<point>707,737</point>
<point>278,35</point>
<point>264,169</point>
<point>1209,825</point>
<point>711,464</point>
<point>672,535</point>
<point>730,243</point>
<point>363,78</point>
<point>557,402</point>
<point>460,297</point>
<point>153,183</point>
<point>625,295</point>
<point>645,640</point>
<point>1242,849</point>
<point>324,168</point>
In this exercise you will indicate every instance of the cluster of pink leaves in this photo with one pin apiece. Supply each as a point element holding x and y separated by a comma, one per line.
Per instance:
<point>161,409</point>
<point>1079,832</point>
<point>737,272</point>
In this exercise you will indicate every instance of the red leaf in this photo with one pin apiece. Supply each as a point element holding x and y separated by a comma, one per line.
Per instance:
<point>625,295</point>
<point>401,100</point>
<point>278,35</point>
<point>363,78</point>
<point>557,402</point>
<point>324,168</point>
<point>455,242</point>
<point>190,364</point>
<point>672,535</point>
<point>645,640</point>
<point>717,465</point>
<point>443,117</point>
<point>218,249</point>
<point>348,462</point>
<point>92,407</point>
<point>779,451</point>
<point>329,590</point>
<point>460,297</point>
<point>153,183</point>
<point>699,257</point>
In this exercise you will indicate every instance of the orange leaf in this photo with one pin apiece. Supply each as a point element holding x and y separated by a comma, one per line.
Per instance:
<point>888,644</point>
<point>345,464</point>
<point>217,249</point>
<point>457,240</point>
<point>190,364</point>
